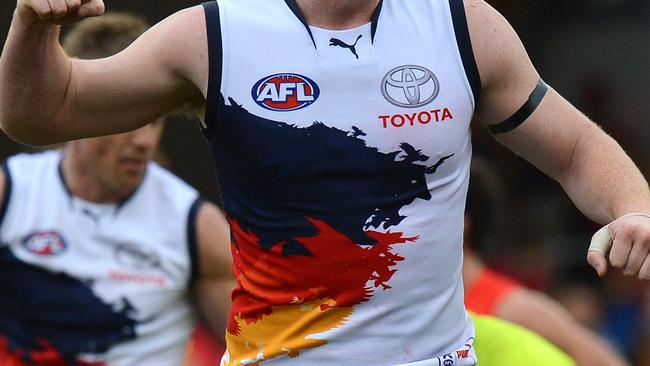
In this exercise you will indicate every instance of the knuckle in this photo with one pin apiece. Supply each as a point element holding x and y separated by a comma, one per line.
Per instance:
<point>645,237</point>
<point>629,272</point>
<point>616,261</point>
<point>45,14</point>
<point>623,234</point>
<point>617,264</point>
<point>622,243</point>
<point>633,266</point>
<point>644,274</point>
<point>59,11</point>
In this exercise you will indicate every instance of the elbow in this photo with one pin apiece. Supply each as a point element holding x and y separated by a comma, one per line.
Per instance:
<point>27,133</point>
<point>31,123</point>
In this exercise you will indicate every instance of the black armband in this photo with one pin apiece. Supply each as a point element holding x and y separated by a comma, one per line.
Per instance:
<point>524,112</point>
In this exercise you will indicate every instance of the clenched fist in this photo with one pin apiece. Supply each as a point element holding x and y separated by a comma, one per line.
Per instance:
<point>33,12</point>
<point>627,240</point>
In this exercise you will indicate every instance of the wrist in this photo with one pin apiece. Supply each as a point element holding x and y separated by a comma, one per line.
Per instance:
<point>637,213</point>
<point>629,213</point>
<point>33,30</point>
<point>27,18</point>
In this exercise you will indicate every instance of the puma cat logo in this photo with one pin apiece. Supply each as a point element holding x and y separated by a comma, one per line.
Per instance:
<point>338,43</point>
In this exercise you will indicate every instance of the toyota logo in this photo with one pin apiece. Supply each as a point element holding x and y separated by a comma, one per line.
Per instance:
<point>410,86</point>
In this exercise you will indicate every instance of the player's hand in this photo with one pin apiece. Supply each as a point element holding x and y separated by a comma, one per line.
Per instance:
<point>629,239</point>
<point>35,12</point>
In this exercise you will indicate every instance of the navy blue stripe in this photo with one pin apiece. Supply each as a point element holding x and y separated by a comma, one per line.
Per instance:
<point>213,29</point>
<point>296,10</point>
<point>62,178</point>
<point>192,241</point>
<point>524,112</point>
<point>375,20</point>
<point>7,192</point>
<point>465,46</point>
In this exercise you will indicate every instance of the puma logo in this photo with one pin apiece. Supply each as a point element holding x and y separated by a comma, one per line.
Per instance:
<point>338,43</point>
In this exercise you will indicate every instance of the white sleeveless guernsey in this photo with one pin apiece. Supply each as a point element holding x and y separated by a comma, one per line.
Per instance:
<point>94,284</point>
<point>343,160</point>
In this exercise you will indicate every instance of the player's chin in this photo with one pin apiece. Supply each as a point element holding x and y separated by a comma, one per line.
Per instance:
<point>130,179</point>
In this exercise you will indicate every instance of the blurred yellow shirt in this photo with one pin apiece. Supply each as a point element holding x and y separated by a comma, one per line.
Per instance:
<point>500,343</point>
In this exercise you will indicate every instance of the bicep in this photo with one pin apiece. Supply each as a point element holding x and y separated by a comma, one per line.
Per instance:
<point>550,136</point>
<point>507,73</point>
<point>163,70</point>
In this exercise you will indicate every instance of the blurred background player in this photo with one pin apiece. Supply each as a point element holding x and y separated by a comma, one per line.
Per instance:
<point>101,249</point>
<point>501,343</point>
<point>489,293</point>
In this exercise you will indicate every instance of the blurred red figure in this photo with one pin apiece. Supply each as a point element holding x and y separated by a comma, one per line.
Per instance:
<point>203,349</point>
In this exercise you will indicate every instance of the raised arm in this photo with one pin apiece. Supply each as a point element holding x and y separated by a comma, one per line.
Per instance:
<point>562,142</point>
<point>46,97</point>
<point>215,280</point>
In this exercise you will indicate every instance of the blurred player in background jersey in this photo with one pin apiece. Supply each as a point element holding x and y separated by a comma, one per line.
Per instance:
<point>501,343</point>
<point>102,250</point>
<point>490,293</point>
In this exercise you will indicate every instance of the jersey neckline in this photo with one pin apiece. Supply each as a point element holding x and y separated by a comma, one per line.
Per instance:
<point>117,205</point>
<point>293,6</point>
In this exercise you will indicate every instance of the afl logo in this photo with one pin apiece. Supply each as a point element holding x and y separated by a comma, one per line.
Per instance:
<point>45,244</point>
<point>410,86</point>
<point>285,92</point>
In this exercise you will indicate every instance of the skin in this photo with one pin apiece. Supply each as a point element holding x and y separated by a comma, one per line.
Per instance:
<point>168,68</point>
<point>215,283</point>
<point>337,14</point>
<point>108,169</point>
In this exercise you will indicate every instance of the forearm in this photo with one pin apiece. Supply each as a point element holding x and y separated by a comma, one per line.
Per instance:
<point>213,301</point>
<point>34,78</point>
<point>589,350</point>
<point>549,319</point>
<point>602,180</point>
